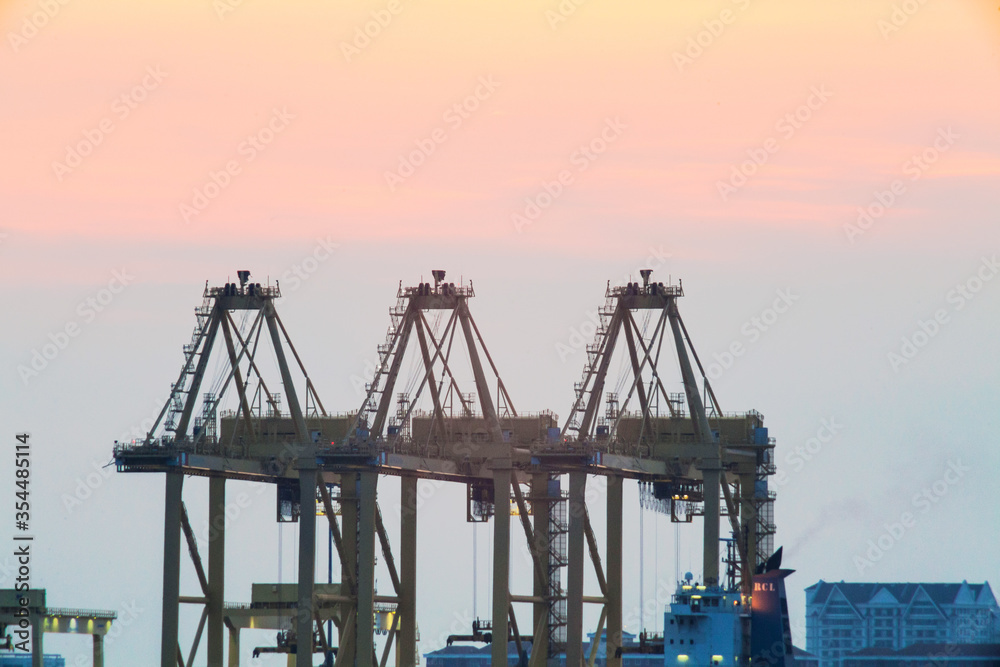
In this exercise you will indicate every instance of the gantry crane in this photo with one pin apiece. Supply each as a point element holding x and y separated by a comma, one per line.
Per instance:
<point>691,460</point>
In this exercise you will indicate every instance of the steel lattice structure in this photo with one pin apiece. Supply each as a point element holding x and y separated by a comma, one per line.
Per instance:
<point>689,461</point>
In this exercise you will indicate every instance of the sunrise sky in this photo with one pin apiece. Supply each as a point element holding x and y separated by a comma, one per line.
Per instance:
<point>540,149</point>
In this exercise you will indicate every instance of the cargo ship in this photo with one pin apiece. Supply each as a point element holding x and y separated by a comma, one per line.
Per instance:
<point>713,626</point>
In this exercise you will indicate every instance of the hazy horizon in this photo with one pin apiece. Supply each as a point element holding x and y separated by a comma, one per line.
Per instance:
<point>845,156</point>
